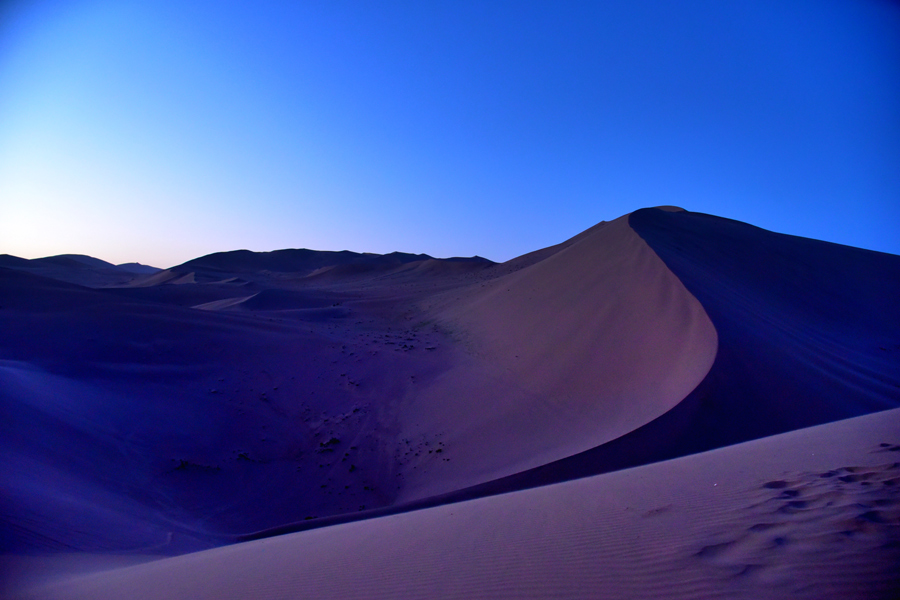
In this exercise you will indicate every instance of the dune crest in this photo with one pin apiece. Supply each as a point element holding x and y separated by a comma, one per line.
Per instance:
<point>572,351</point>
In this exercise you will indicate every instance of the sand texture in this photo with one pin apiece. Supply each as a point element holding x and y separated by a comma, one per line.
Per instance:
<point>669,404</point>
<point>790,516</point>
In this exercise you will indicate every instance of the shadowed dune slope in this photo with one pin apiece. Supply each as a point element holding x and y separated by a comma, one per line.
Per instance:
<point>809,331</point>
<point>808,514</point>
<point>133,425</point>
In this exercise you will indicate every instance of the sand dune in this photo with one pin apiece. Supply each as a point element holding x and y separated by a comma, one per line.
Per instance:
<point>570,352</point>
<point>821,320</point>
<point>78,269</point>
<point>790,516</point>
<point>406,409</point>
<point>807,334</point>
<point>138,268</point>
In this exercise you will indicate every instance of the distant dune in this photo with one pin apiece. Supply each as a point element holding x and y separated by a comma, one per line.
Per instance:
<point>669,404</point>
<point>138,268</point>
<point>79,269</point>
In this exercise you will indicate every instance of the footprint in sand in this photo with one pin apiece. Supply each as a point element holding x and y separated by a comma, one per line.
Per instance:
<point>843,514</point>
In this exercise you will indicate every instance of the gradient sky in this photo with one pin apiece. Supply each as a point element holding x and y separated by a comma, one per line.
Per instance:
<point>158,131</point>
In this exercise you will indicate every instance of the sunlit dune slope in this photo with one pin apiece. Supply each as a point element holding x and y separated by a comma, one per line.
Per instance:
<point>574,350</point>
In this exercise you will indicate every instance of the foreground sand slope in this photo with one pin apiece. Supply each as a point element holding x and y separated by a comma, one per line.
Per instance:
<point>813,513</point>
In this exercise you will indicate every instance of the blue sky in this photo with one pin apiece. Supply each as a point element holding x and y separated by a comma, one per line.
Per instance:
<point>161,131</point>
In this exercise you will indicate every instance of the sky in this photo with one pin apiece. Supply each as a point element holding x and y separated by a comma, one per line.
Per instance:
<point>159,131</point>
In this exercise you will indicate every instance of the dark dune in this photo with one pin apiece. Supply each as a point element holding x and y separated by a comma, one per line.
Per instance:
<point>9,261</point>
<point>75,260</point>
<point>301,261</point>
<point>288,267</point>
<point>79,269</point>
<point>809,332</point>
<point>138,268</point>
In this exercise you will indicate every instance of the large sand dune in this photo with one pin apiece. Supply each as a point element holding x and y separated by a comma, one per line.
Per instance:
<point>570,352</point>
<point>245,395</point>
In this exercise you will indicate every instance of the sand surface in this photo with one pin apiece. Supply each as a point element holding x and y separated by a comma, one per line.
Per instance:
<point>807,514</point>
<point>322,393</point>
<point>351,404</point>
<point>564,355</point>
